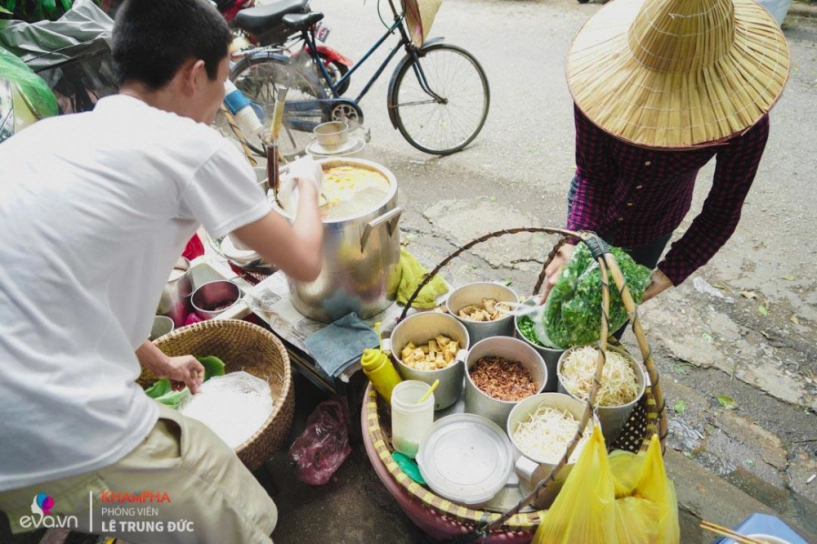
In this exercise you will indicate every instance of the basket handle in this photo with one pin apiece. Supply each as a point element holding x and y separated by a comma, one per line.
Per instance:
<point>566,235</point>
<point>656,419</point>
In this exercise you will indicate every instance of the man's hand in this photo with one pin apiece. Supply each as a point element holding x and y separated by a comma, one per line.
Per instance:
<point>181,371</point>
<point>659,282</point>
<point>554,269</point>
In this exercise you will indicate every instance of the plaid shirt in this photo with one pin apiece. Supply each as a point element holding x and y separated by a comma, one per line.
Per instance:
<point>636,195</point>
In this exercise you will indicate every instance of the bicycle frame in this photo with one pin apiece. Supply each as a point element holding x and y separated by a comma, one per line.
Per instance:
<point>405,42</point>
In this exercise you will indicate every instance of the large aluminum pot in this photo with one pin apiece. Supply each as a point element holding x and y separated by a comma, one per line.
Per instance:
<point>361,258</point>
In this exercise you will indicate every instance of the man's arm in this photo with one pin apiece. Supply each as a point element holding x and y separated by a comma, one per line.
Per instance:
<point>296,249</point>
<point>179,370</point>
<point>736,166</point>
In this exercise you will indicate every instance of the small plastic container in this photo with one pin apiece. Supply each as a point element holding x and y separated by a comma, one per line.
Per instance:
<point>409,420</point>
<point>378,368</point>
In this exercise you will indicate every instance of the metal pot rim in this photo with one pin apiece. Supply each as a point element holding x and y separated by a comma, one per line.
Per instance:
<point>390,195</point>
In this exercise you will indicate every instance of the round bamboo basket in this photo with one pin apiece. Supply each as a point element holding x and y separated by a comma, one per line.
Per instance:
<point>465,524</point>
<point>247,347</point>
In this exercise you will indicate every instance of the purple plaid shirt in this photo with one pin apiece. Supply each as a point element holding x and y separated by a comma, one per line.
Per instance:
<point>640,194</point>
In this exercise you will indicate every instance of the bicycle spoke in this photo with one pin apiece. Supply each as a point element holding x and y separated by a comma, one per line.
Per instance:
<point>437,126</point>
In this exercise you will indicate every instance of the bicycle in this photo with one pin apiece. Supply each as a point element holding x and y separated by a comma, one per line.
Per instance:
<point>440,110</point>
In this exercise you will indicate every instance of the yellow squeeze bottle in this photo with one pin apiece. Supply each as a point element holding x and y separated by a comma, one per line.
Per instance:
<point>378,368</point>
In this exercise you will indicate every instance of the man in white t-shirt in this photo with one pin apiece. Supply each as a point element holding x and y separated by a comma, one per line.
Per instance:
<point>95,209</point>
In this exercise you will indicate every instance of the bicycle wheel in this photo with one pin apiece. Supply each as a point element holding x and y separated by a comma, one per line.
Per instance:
<point>450,116</point>
<point>260,79</point>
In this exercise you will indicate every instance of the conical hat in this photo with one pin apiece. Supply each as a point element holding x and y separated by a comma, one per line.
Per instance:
<point>419,18</point>
<point>678,73</point>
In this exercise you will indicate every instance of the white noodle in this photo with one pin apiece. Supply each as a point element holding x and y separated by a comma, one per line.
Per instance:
<point>618,383</point>
<point>234,406</point>
<point>546,434</point>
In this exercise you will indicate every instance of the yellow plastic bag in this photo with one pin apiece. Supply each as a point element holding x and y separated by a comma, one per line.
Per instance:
<point>621,499</point>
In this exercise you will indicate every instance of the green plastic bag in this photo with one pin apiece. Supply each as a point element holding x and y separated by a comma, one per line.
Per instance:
<point>34,88</point>
<point>572,315</point>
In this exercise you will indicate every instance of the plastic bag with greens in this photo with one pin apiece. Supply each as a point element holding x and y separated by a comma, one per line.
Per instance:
<point>572,313</point>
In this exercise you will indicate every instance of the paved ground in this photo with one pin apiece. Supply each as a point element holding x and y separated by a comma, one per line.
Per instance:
<point>744,326</point>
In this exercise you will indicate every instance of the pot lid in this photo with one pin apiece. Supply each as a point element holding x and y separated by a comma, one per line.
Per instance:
<point>465,458</point>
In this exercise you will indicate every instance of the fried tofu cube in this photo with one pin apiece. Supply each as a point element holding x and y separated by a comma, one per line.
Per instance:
<point>443,340</point>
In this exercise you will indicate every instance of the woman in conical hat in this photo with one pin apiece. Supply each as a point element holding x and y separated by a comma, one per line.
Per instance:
<point>660,88</point>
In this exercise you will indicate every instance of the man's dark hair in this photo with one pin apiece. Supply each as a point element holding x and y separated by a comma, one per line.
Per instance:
<point>152,39</point>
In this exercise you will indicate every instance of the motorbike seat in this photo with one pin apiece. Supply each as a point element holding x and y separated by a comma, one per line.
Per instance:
<point>302,21</point>
<point>258,20</point>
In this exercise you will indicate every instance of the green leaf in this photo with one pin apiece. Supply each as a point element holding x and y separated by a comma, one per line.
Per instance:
<point>213,366</point>
<point>749,462</point>
<point>492,198</point>
<point>763,310</point>
<point>159,388</point>
<point>174,398</point>
<point>5,11</point>
<point>66,4</point>
<point>679,407</point>
<point>727,402</point>
<point>507,282</point>
<point>49,5</point>
<point>707,337</point>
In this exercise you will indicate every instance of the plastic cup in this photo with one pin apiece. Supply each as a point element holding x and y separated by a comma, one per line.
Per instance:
<point>410,420</point>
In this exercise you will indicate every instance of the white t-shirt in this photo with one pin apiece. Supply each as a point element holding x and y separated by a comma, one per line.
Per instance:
<point>95,209</point>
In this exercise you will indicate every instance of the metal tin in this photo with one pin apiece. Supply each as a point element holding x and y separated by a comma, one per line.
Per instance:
<point>477,402</point>
<point>420,328</point>
<point>361,255</point>
<point>612,418</point>
<point>473,293</point>
<point>550,355</point>
<point>212,295</point>
<point>530,469</point>
<point>175,300</point>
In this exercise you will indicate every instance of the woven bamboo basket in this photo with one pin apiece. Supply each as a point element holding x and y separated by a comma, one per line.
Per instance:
<point>464,524</point>
<point>247,347</point>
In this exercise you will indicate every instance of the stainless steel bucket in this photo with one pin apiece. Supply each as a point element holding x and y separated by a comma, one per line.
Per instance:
<point>612,418</point>
<point>361,257</point>
<point>550,355</point>
<point>473,293</point>
<point>175,300</point>
<point>419,329</point>
<point>511,349</point>
<point>530,469</point>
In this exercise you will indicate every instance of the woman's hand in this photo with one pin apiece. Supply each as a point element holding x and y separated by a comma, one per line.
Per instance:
<point>554,269</point>
<point>181,371</point>
<point>659,282</point>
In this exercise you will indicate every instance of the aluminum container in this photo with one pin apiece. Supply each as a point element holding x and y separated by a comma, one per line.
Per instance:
<point>419,329</point>
<point>221,294</point>
<point>332,135</point>
<point>612,418</point>
<point>361,258</point>
<point>477,402</point>
<point>530,469</point>
<point>473,293</point>
<point>161,326</point>
<point>175,300</point>
<point>550,355</point>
